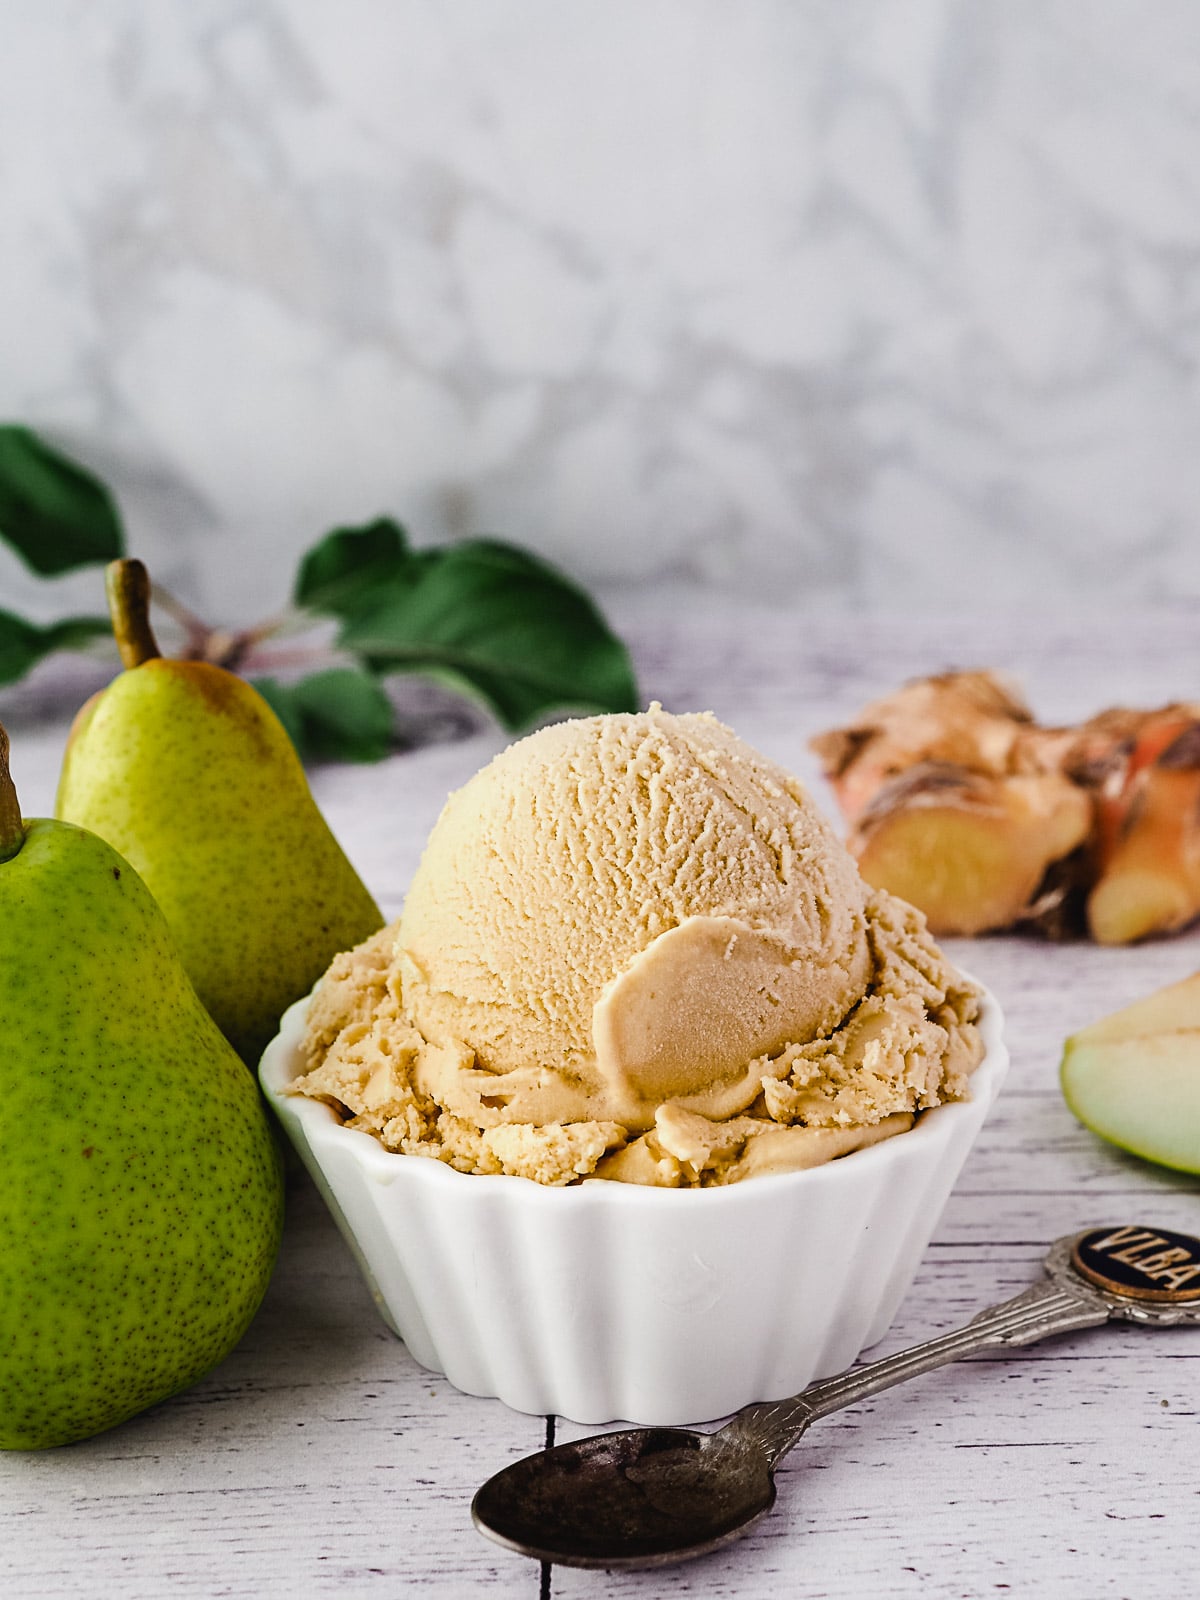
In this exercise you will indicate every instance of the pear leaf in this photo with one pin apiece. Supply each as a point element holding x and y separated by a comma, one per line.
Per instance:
<point>338,715</point>
<point>499,624</point>
<point>339,574</point>
<point>53,512</point>
<point>282,701</point>
<point>23,644</point>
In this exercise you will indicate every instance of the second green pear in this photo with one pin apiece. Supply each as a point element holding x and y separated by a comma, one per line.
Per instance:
<point>186,771</point>
<point>141,1197</point>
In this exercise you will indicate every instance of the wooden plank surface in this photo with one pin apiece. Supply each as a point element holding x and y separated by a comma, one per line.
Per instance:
<point>320,1459</point>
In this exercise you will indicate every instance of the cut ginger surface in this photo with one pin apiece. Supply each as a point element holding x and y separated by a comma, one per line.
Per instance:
<point>960,802</point>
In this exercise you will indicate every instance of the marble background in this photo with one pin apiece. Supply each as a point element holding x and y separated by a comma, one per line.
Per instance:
<point>883,302</point>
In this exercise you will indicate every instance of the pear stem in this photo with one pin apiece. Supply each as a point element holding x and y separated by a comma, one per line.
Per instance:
<point>128,586</point>
<point>12,829</point>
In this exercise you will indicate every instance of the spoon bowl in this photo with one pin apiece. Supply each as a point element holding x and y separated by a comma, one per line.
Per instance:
<point>641,1498</point>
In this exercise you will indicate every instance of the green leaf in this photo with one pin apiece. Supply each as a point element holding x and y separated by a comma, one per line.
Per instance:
<point>280,698</point>
<point>338,715</point>
<point>23,644</point>
<point>339,575</point>
<point>53,512</point>
<point>500,624</point>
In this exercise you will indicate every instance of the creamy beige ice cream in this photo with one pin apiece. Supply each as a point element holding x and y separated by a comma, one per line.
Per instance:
<point>634,949</point>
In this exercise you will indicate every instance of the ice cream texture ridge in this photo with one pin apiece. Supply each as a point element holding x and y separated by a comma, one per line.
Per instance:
<point>635,950</point>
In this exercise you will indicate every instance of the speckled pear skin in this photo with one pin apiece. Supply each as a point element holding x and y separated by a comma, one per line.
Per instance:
<point>186,770</point>
<point>141,1196</point>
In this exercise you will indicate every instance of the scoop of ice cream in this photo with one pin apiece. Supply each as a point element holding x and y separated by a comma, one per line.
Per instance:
<point>620,911</point>
<point>634,948</point>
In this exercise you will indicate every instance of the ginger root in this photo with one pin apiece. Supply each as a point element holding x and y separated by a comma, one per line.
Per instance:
<point>963,720</point>
<point>970,849</point>
<point>1148,835</point>
<point>958,801</point>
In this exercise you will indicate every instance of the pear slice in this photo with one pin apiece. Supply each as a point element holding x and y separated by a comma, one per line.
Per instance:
<point>1134,1076</point>
<point>1165,1011</point>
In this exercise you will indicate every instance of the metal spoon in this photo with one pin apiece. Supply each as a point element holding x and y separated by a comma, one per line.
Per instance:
<point>647,1497</point>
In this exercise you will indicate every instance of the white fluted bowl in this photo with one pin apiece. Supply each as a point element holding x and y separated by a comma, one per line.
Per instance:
<point>608,1301</point>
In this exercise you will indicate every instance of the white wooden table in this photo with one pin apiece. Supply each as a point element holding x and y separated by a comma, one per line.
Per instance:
<point>319,1459</point>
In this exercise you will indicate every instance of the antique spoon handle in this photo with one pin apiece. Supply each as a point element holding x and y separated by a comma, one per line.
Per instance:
<point>1035,1313</point>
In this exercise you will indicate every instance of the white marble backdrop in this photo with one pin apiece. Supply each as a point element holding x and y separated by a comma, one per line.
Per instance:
<point>883,301</point>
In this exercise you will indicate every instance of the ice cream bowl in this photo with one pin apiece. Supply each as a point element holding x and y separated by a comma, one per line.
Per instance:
<point>608,1301</point>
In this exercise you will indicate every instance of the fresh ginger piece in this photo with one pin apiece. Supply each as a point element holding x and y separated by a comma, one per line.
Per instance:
<point>969,850</point>
<point>1149,870</point>
<point>960,802</point>
<point>1112,752</point>
<point>962,719</point>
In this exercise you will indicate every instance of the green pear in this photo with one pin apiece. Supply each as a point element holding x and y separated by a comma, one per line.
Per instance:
<point>1134,1076</point>
<point>141,1196</point>
<point>185,769</point>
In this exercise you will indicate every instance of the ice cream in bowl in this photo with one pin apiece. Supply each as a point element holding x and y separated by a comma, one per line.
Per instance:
<point>647,1105</point>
